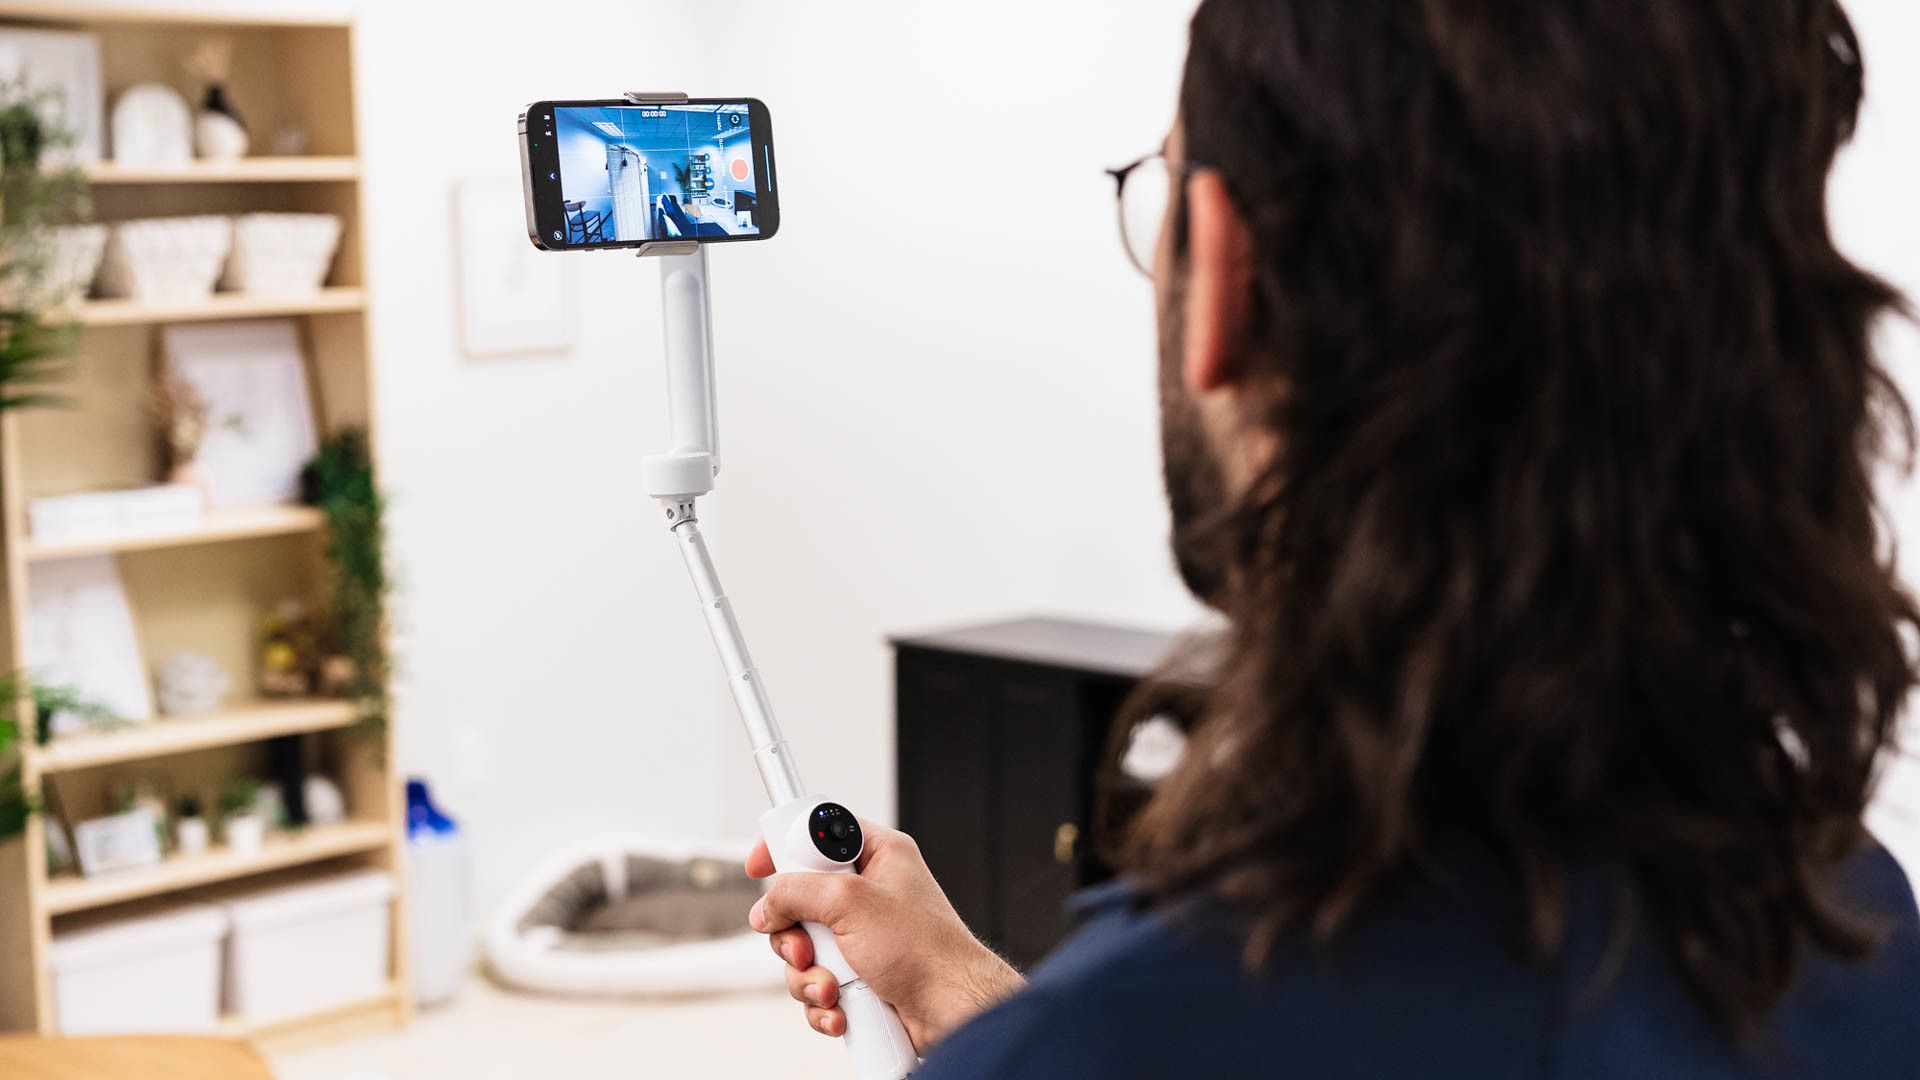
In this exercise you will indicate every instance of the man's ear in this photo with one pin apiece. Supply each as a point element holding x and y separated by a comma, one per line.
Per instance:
<point>1219,280</point>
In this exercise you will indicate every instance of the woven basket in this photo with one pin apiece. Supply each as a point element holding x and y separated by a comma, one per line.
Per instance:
<point>281,252</point>
<point>64,257</point>
<point>171,259</point>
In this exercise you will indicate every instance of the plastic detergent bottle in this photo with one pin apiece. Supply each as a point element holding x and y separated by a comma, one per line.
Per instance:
<point>440,897</point>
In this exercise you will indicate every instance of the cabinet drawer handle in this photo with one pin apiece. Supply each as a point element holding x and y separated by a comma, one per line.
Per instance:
<point>1065,839</point>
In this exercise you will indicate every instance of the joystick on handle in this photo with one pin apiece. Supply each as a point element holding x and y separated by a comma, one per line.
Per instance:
<point>813,835</point>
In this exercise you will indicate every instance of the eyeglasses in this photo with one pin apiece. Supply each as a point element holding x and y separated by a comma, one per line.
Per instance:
<point>1145,193</point>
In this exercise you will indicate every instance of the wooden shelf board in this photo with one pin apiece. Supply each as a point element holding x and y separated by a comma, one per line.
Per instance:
<point>244,171</point>
<point>235,1028</point>
<point>221,306</point>
<point>217,527</point>
<point>69,893</point>
<point>252,723</point>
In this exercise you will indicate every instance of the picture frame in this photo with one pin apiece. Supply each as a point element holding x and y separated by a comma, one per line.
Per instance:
<point>261,429</point>
<point>80,633</point>
<point>514,298</point>
<point>67,63</point>
<point>117,843</point>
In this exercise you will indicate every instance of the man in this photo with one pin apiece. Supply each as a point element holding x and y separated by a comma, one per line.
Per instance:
<point>1519,415</point>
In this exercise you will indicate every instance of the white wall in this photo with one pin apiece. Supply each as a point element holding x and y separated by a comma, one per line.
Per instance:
<point>554,676</point>
<point>932,413</point>
<point>1877,219</point>
<point>937,383</point>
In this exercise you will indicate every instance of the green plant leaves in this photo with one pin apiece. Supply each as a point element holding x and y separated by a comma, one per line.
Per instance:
<point>339,482</point>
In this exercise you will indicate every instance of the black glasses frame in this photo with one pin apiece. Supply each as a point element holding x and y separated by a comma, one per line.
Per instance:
<point>1176,174</point>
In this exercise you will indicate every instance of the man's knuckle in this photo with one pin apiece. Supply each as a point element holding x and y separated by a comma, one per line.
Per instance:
<point>845,893</point>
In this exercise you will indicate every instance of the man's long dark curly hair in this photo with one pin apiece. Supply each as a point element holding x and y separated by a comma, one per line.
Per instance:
<point>1571,543</point>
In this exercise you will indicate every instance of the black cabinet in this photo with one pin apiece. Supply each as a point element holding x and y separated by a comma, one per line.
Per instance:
<point>1001,730</point>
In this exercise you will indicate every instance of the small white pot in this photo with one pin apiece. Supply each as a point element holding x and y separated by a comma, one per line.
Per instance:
<point>245,832</point>
<point>190,835</point>
<point>219,137</point>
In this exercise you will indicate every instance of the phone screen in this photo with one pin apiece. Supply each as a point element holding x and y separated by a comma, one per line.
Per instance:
<point>657,172</point>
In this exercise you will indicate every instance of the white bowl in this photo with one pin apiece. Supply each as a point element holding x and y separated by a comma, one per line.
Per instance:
<point>174,259</point>
<point>281,252</point>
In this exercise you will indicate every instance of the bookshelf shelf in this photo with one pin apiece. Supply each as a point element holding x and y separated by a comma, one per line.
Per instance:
<point>337,298</point>
<point>218,527</point>
<point>68,894</point>
<point>256,170</point>
<point>160,738</point>
<point>212,587</point>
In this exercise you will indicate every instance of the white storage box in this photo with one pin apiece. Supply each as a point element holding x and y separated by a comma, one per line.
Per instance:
<point>114,515</point>
<point>155,973</point>
<point>303,948</point>
<point>281,252</point>
<point>166,260</point>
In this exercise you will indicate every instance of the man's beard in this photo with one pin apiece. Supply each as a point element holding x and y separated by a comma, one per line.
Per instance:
<point>1196,487</point>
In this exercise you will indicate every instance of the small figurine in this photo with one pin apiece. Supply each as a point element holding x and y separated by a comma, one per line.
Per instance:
<point>290,652</point>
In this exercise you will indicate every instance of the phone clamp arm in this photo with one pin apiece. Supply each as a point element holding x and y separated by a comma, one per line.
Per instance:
<point>664,247</point>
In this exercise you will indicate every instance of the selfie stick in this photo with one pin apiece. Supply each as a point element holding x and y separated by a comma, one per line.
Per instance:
<point>803,832</point>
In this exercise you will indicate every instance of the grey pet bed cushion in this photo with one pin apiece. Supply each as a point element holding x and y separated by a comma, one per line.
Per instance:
<point>628,915</point>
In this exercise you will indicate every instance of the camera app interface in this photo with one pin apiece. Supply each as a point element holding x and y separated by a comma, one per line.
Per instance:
<point>656,172</point>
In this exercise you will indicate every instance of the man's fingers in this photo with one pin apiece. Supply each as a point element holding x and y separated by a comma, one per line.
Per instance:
<point>797,898</point>
<point>759,863</point>
<point>794,947</point>
<point>877,838</point>
<point>814,986</point>
<point>827,1021</point>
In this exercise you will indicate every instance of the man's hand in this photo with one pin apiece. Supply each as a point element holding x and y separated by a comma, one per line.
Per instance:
<point>895,928</point>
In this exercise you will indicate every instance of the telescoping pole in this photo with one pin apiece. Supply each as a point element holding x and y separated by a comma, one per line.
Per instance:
<point>804,833</point>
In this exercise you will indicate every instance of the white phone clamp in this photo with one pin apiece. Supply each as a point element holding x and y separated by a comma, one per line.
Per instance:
<point>804,833</point>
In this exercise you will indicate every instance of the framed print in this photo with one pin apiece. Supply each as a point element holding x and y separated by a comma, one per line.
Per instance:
<point>260,427</point>
<point>81,635</point>
<point>67,65</point>
<point>513,297</point>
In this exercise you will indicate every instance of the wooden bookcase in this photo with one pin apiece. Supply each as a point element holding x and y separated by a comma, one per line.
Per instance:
<point>208,588</point>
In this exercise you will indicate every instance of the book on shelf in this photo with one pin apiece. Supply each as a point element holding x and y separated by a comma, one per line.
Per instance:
<point>115,514</point>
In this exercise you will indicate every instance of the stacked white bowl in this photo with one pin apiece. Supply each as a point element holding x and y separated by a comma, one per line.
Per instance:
<point>64,260</point>
<point>281,252</point>
<point>181,259</point>
<point>169,260</point>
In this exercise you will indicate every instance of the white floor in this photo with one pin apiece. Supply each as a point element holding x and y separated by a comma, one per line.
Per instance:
<point>487,1032</point>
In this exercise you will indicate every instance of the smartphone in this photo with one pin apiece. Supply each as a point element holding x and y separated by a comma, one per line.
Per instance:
<point>620,174</point>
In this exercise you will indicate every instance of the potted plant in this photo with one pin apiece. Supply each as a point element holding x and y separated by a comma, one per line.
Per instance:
<point>190,832</point>
<point>50,248</point>
<point>17,803</point>
<point>43,236</point>
<point>240,815</point>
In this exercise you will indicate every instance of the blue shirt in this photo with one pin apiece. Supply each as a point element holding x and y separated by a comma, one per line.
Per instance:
<point>1429,986</point>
